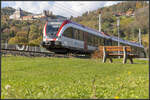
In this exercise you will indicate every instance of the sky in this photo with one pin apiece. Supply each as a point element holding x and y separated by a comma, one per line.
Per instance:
<point>64,8</point>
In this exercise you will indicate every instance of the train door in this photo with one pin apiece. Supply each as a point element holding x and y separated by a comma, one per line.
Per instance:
<point>85,41</point>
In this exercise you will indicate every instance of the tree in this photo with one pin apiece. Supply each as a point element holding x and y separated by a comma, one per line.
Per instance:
<point>142,18</point>
<point>33,28</point>
<point>71,17</point>
<point>22,34</point>
<point>15,29</point>
<point>18,40</point>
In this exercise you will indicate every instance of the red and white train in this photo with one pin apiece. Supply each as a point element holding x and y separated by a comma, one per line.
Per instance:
<point>67,36</point>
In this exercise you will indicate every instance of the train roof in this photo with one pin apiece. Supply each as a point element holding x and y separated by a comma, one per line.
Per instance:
<point>88,29</point>
<point>127,42</point>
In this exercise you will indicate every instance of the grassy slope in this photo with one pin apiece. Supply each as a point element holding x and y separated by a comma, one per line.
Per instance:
<point>24,77</point>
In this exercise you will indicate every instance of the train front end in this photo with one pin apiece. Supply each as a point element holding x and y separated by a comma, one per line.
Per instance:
<point>50,36</point>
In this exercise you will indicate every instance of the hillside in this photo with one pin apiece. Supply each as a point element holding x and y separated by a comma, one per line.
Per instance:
<point>22,32</point>
<point>131,19</point>
<point>16,31</point>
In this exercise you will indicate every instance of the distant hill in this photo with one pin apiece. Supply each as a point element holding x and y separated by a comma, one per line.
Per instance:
<point>9,11</point>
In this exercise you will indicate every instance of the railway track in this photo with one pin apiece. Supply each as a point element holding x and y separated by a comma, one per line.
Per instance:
<point>5,52</point>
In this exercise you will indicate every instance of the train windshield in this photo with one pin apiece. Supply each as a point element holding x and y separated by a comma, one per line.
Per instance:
<point>52,29</point>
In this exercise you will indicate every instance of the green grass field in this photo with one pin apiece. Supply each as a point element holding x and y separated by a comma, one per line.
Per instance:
<point>39,78</point>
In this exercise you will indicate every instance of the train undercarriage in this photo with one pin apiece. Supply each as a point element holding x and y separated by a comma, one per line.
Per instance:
<point>55,46</point>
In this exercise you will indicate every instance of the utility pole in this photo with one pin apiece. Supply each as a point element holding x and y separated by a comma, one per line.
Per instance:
<point>140,40</point>
<point>99,21</point>
<point>118,23</point>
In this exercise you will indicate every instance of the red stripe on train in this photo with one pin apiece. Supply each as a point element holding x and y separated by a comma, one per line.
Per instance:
<point>45,28</point>
<point>65,22</point>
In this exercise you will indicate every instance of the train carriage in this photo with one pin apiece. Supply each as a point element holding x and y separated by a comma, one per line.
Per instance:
<point>67,36</point>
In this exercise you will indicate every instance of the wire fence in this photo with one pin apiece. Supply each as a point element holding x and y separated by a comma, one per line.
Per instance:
<point>23,47</point>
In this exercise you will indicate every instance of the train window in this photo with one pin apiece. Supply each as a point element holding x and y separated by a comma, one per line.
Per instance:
<point>68,32</point>
<point>110,42</point>
<point>105,42</point>
<point>83,35</point>
<point>73,35</point>
<point>89,39</point>
<point>114,43</point>
<point>101,41</point>
<point>96,41</point>
<point>80,35</point>
<point>76,33</point>
<point>92,40</point>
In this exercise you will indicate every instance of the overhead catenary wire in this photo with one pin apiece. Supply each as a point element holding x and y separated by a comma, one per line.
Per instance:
<point>60,9</point>
<point>72,10</point>
<point>66,10</point>
<point>79,13</point>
